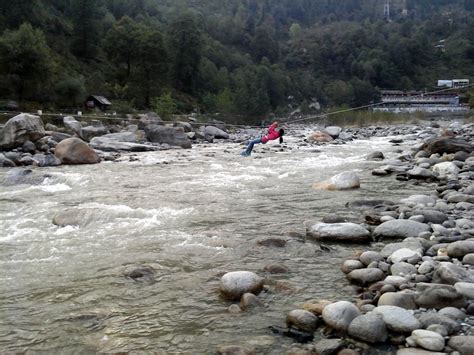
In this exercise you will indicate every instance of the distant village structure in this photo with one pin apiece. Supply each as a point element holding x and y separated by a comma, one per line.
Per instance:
<point>396,101</point>
<point>97,102</point>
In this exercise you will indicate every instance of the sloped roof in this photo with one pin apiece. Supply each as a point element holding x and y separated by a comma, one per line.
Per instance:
<point>101,99</point>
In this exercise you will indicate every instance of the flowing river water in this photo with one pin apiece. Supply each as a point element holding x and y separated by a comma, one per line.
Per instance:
<point>189,214</point>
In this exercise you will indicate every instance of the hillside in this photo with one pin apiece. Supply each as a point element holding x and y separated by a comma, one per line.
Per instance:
<point>242,57</point>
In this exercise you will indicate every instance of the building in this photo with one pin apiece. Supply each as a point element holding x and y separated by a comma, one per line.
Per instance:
<point>97,102</point>
<point>396,101</point>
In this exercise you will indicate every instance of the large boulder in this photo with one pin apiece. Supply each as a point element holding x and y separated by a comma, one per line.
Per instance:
<point>343,181</point>
<point>167,135</point>
<point>72,125</point>
<point>333,131</point>
<point>448,273</point>
<point>460,248</point>
<point>89,132</point>
<point>448,145</point>
<point>19,129</point>
<point>462,344</point>
<point>5,162</point>
<point>400,228</point>
<point>339,315</point>
<point>366,276</point>
<point>211,132</point>
<point>427,340</point>
<point>439,296</point>
<point>75,151</point>
<point>369,327</point>
<point>446,169</point>
<point>302,320</point>
<point>339,232</point>
<point>235,284</point>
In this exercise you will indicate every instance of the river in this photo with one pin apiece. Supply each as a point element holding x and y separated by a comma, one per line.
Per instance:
<point>189,214</point>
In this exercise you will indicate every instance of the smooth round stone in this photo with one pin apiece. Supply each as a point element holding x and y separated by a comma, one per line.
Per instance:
<point>351,265</point>
<point>426,267</point>
<point>396,281</point>
<point>430,318</point>
<point>417,351</point>
<point>366,276</point>
<point>234,350</point>
<point>234,309</point>
<point>428,340</point>
<point>402,269</point>
<point>398,319</point>
<point>249,301</point>
<point>452,312</point>
<point>276,269</point>
<point>463,344</point>
<point>340,314</point>
<point>302,320</point>
<point>369,327</point>
<point>461,248</point>
<point>328,346</point>
<point>403,255</point>
<point>468,259</point>
<point>366,308</point>
<point>370,256</point>
<point>404,300</point>
<point>316,307</point>
<point>235,284</point>
<point>438,328</point>
<point>417,218</point>
<point>465,288</point>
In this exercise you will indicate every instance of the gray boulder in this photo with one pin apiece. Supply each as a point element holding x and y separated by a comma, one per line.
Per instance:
<point>419,173</point>
<point>339,232</point>
<point>234,284</point>
<point>19,129</point>
<point>369,327</point>
<point>339,315</point>
<point>211,132</point>
<point>302,320</point>
<point>5,162</point>
<point>462,344</point>
<point>375,156</point>
<point>72,125</point>
<point>400,228</point>
<point>427,340</point>
<point>366,276</point>
<point>390,248</point>
<point>333,131</point>
<point>43,160</point>
<point>431,216</point>
<point>167,135</point>
<point>328,346</point>
<point>466,289</point>
<point>431,318</point>
<point>398,319</point>
<point>461,248</point>
<point>438,296</point>
<point>448,273</point>
<point>112,145</point>
<point>343,181</point>
<point>422,200</point>
<point>75,151</point>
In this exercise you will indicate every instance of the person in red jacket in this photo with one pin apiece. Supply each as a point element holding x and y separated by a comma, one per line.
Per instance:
<point>272,134</point>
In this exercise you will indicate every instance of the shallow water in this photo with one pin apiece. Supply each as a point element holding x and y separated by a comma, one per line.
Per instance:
<point>191,215</point>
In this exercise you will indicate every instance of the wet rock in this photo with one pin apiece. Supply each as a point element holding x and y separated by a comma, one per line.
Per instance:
<point>235,284</point>
<point>426,267</point>
<point>339,232</point>
<point>400,228</point>
<point>463,344</point>
<point>43,160</point>
<point>427,340</point>
<point>448,273</point>
<point>431,318</point>
<point>75,151</point>
<point>375,156</point>
<point>5,162</point>
<point>350,265</point>
<point>211,132</point>
<point>438,296</point>
<point>144,273</point>
<point>250,301</point>
<point>234,350</point>
<point>465,288</point>
<point>398,319</point>
<point>343,181</point>
<point>339,315</point>
<point>461,248</point>
<point>446,169</point>
<point>276,269</point>
<point>19,129</point>
<point>333,131</point>
<point>448,145</point>
<point>272,242</point>
<point>319,137</point>
<point>400,299</point>
<point>316,307</point>
<point>366,276</point>
<point>369,256</point>
<point>302,320</point>
<point>328,346</point>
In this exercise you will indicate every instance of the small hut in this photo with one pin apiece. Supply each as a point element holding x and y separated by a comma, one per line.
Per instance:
<point>97,102</point>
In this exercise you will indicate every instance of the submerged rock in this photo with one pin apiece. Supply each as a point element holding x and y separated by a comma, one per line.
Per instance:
<point>343,181</point>
<point>235,284</point>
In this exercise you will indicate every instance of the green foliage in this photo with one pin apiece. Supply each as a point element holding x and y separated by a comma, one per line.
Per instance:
<point>26,61</point>
<point>70,91</point>
<point>164,105</point>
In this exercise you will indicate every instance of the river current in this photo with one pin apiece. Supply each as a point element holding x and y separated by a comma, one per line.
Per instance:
<point>191,215</point>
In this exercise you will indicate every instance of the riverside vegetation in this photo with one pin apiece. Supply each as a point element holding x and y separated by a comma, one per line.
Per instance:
<point>415,283</point>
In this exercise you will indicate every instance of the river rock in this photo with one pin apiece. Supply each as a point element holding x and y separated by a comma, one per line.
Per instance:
<point>461,248</point>
<point>402,269</point>
<point>234,350</point>
<point>468,259</point>
<point>249,301</point>
<point>369,256</point>
<point>421,200</point>
<point>405,254</point>
<point>463,344</point>
<point>339,315</point>
<point>369,327</point>
<point>420,173</point>
<point>19,129</point>
<point>398,319</point>
<point>320,137</point>
<point>339,232</point>
<point>302,320</point>
<point>427,339</point>
<point>438,296</point>
<point>72,125</point>
<point>390,248</point>
<point>375,156</point>
<point>328,346</point>
<point>333,131</point>
<point>400,228</point>
<point>448,273</point>
<point>426,267</point>
<point>111,145</point>
<point>169,135</point>
<point>89,132</point>
<point>46,160</point>
<point>432,318</point>
<point>465,288</point>
<point>404,300</point>
<point>210,133</point>
<point>235,284</point>
<point>448,145</point>
<point>316,307</point>
<point>431,216</point>
<point>446,169</point>
<point>350,265</point>
<point>452,312</point>
<point>366,276</point>
<point>75,151</point>
<point>417,351</point>
<point>5,162</point>
<point>343,181</point>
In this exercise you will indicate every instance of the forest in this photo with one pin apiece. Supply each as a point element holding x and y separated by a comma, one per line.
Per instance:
<point>241,57</point>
